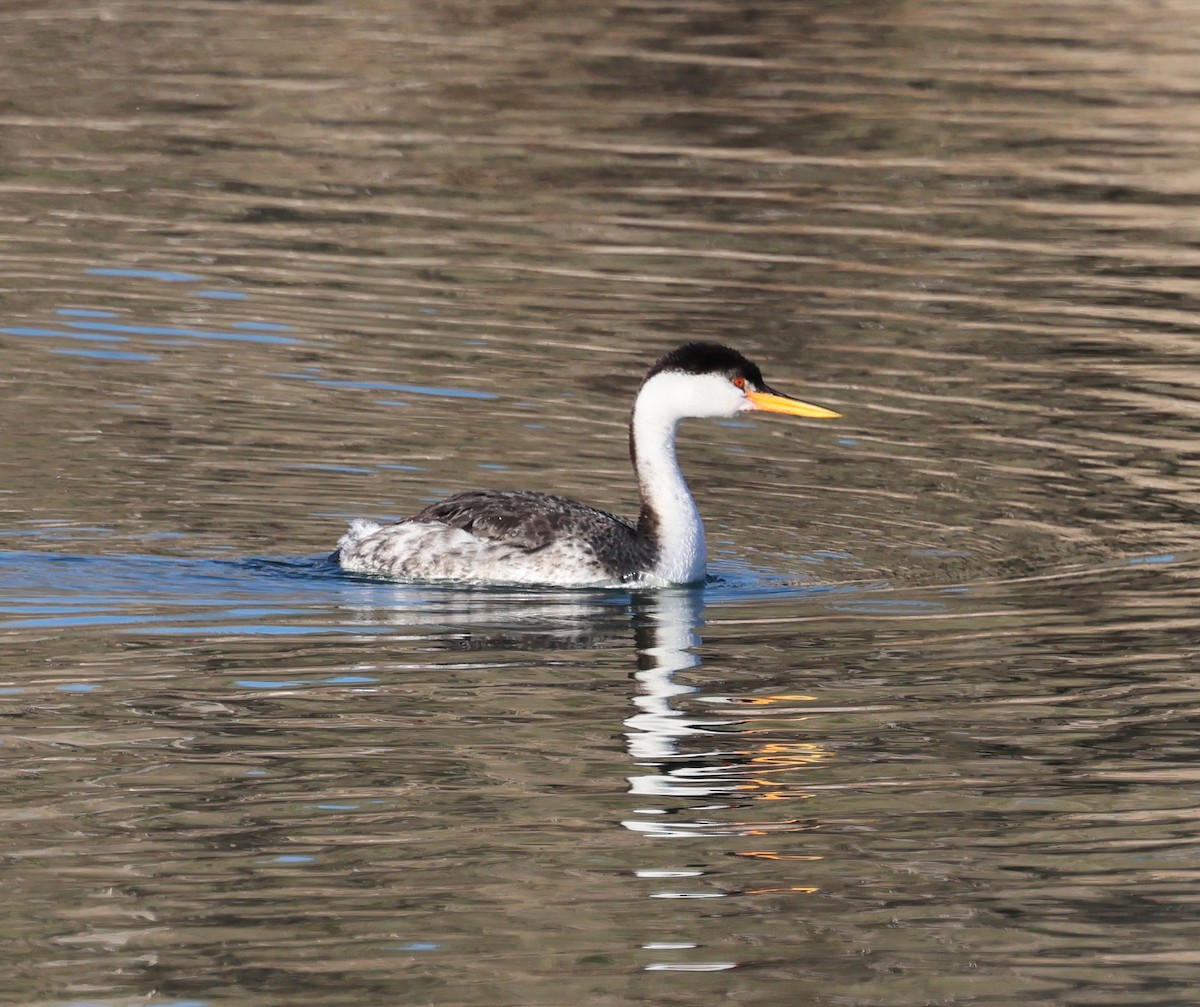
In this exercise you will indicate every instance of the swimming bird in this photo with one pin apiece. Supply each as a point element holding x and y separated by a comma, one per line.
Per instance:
<point>520,537</point>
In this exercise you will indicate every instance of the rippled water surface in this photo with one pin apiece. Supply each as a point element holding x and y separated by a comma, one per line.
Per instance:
<point>929,734</point>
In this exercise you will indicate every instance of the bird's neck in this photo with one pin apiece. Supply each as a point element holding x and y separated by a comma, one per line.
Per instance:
<point>669,517</point>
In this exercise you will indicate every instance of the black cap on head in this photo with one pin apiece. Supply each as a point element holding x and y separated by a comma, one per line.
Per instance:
<point>709,358</point>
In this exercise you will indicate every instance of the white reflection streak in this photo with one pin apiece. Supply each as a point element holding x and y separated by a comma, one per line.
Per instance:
<point>653,731</point>
<point>691,966</point>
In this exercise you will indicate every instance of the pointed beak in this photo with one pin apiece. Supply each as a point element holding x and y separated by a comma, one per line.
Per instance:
<point>773,402</point>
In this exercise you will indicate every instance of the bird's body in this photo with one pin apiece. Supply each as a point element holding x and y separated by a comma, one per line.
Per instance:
<point>519,537</point>
<point>529,538</point>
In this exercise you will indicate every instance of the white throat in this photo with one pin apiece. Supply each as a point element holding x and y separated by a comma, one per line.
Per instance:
<point>661,404</point>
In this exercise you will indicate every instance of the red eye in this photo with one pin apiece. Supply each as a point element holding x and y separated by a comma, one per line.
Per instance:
<point>740,383</point>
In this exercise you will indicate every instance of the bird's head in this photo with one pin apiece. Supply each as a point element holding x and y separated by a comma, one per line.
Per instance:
<point>711,380</point>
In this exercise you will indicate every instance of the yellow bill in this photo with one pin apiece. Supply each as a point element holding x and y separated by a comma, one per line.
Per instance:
<point>771,402</point>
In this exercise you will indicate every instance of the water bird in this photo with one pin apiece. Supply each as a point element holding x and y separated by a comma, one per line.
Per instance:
<point>521,537</point>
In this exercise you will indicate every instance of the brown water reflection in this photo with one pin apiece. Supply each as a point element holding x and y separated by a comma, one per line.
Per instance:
<point>927,736</point>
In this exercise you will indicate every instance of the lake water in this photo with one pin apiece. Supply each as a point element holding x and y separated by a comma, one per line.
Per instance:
<point>929,734</point>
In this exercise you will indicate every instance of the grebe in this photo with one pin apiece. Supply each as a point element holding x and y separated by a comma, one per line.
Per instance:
<point>518,537</point>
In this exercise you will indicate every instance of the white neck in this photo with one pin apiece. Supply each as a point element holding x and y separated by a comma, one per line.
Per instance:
<point>667,504</point>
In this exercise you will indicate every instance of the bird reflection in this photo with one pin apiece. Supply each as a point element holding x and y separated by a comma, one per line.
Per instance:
<point>742,763</point>
<point>747,764</point>
<point>727,770</point>
<point>665,625</point>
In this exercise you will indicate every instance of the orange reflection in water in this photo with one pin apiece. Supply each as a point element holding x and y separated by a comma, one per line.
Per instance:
<point>776,855</point>
<point>771,700</point>
<point>772,758</point>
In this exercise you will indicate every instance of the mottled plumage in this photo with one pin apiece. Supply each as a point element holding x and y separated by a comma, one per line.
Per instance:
<point>514,536</point>
<point>533,537</point>
<point>525,518</point>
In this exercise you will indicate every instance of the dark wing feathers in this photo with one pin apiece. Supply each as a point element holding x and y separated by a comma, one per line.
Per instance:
<point>530,521</point>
